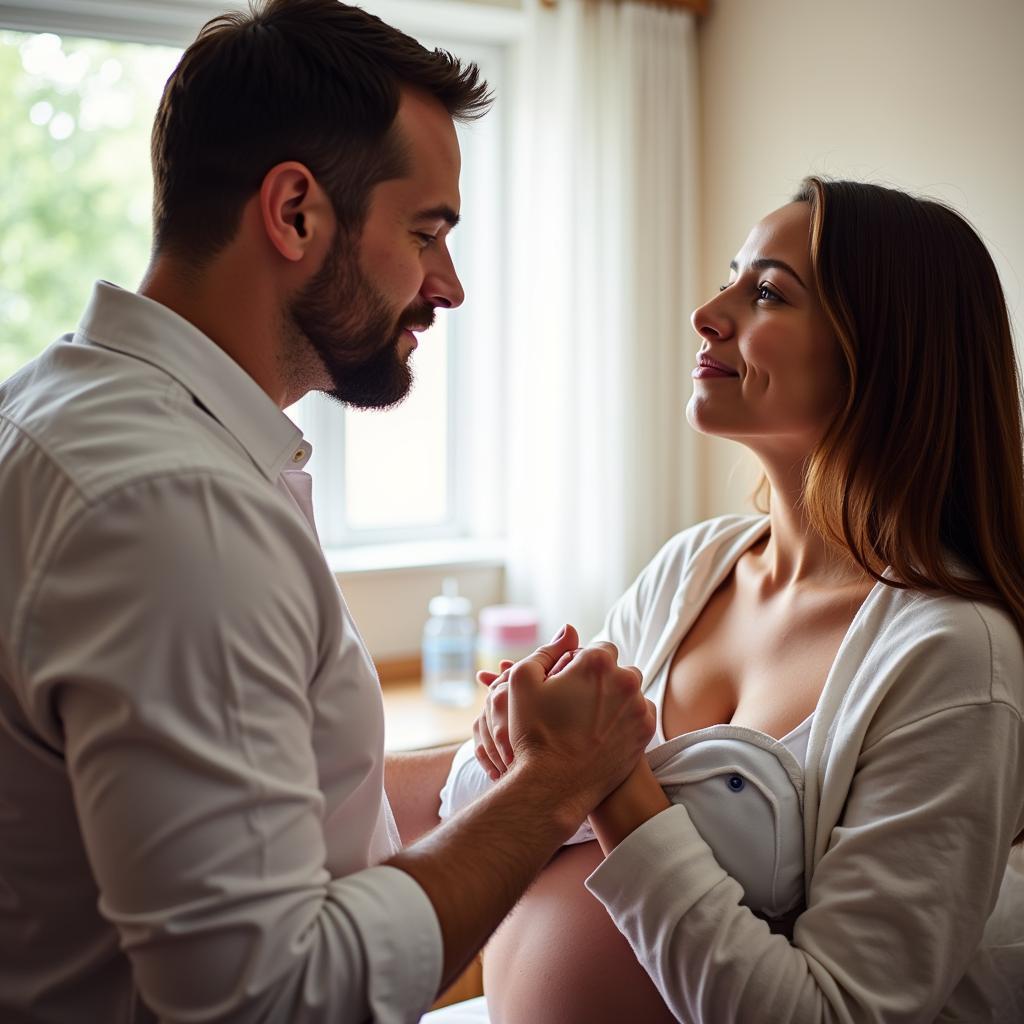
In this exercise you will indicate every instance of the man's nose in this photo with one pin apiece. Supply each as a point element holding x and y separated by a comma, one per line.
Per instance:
<point>441,286</point>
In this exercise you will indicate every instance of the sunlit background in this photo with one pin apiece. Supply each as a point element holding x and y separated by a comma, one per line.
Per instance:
<point>77,194</point>
<point>544,455</point>
<point>74,117</point>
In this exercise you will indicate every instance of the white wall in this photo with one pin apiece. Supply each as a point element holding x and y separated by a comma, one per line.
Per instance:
<point>390,607</point>
<point>922,94</point>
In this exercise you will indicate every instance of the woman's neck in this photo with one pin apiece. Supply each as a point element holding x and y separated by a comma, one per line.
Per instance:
<point>796,555</point>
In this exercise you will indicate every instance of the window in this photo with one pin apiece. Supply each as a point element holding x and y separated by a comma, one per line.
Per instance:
<point>403,474</point>
<point>75,114</point>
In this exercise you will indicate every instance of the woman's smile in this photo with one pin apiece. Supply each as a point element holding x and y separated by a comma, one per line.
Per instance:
<point>708,367</point>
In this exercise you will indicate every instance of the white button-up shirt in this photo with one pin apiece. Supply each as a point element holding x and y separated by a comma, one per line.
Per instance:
<point>191,729</point>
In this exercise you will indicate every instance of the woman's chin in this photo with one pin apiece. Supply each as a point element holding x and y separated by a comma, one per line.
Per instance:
<point>707,421</point>
<point>705,412</point>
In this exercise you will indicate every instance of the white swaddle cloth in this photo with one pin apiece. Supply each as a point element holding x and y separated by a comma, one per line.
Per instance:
<point>743,791</point>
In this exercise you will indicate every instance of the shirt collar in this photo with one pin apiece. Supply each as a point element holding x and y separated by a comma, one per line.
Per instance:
<point>146,330</point>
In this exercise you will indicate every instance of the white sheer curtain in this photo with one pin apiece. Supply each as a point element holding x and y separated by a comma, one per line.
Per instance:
<point>601,461</point>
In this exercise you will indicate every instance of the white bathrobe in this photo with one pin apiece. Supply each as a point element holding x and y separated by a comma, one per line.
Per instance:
<point>913,790</point>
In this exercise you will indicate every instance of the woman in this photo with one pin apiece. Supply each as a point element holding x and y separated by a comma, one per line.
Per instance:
<point>870,626</point>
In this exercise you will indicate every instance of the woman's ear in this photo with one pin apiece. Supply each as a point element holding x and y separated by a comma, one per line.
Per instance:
<point>296,214</point>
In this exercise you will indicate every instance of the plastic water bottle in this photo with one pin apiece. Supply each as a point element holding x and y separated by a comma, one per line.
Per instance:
<point>449,648</point>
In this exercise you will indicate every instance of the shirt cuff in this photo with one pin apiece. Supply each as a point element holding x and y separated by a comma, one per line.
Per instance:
<point>663,863</point>
<point>402,939</point>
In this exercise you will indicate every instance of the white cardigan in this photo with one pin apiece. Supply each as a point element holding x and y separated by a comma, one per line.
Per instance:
<point>914,790</point>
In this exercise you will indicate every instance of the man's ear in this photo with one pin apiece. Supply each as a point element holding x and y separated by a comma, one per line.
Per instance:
<point>297,215</point>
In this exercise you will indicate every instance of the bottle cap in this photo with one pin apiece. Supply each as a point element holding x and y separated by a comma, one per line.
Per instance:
<point>449,602</point>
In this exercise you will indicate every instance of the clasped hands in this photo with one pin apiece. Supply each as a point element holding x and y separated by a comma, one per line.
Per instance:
<point>586,714</point>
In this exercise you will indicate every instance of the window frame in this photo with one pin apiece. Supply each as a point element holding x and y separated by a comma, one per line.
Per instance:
<point>469,428</point>
<point>480,31</point>
<point>176,22</point>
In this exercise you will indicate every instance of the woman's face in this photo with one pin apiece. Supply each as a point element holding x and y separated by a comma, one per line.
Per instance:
<point>769,371</point>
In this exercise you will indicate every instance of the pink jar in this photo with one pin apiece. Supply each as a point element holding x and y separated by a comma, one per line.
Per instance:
<point>507,631</point>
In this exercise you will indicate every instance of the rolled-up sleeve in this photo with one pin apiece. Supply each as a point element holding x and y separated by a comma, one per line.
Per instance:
<point>189,630</point>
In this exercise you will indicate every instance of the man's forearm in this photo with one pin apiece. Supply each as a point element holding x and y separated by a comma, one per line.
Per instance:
<point>476,866</point>
<point>413,783</point>
<point>576,735</point>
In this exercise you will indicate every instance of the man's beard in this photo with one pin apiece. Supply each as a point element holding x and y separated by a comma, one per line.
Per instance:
<point>348,324</point>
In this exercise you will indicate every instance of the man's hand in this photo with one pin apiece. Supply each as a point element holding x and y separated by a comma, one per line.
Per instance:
<point>577,718</point>
<point>490,730</point>
<point>626,807</point>
<point>577,724</point>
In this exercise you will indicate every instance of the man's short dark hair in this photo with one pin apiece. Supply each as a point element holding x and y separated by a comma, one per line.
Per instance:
<point>315,81</point>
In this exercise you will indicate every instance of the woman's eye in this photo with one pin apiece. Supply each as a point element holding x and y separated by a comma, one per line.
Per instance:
<point>767,294</point>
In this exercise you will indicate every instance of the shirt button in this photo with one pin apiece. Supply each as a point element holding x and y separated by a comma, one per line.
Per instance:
<point>298,456</point>
<point>736,783</point>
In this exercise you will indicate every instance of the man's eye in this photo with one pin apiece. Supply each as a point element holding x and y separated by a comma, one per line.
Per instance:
<point>425,238</point>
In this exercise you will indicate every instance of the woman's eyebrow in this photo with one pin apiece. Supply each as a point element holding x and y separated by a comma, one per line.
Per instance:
<point>764,263</point>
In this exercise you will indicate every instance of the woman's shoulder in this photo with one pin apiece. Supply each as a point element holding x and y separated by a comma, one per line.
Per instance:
<point>972,648</point>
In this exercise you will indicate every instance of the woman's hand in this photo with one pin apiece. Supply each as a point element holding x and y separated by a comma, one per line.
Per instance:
<point>490,730</point>
<point>639,798</point>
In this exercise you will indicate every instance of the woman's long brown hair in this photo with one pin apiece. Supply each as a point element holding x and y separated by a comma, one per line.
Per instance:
<point>926,457</point>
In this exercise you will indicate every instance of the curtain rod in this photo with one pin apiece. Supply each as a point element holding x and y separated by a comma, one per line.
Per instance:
<point>697,6</point>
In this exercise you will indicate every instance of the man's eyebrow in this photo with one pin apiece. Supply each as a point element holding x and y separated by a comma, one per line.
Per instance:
<point>765,263</point>
<point>442,212</point>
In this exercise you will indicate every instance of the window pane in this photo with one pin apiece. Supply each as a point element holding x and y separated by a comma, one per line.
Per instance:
<point>396,462</point>
<point>75,117</point>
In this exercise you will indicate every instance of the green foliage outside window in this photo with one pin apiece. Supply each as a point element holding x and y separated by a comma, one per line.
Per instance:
<point>75,186</point>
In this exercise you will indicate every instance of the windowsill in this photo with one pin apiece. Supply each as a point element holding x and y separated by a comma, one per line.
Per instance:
<point>433,554</point>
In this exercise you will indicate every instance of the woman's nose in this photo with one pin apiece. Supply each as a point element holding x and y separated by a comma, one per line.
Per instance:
<point>711,321</point>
